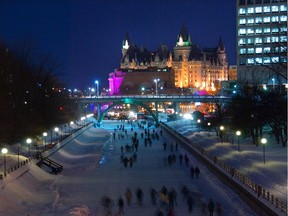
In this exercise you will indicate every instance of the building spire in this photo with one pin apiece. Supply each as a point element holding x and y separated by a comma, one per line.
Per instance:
<point>183,37</point>
<point>220,46</point>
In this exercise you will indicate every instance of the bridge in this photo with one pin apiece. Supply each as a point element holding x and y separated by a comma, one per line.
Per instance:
<point>144,100</point>
<point>158,98</point>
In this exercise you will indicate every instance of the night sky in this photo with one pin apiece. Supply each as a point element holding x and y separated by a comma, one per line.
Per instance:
<point>86,35</point>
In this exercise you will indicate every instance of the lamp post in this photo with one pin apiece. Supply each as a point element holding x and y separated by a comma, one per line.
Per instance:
<point>263,141</point>
<point>238,133</point>
<point>44,136</point>
<point>221,133</point>
<point>273,80</point>
<point>156,85</point>
<point>209,126</point>
<point>29,141</point>
<point>97,88</point>
<point>4,152</point>
<point>56,129</point>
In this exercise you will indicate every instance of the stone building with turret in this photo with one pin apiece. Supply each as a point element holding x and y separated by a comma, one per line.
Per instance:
<point>187,67</point>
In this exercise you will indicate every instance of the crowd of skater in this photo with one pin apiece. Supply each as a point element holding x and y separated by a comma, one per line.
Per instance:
<point>163,200</point>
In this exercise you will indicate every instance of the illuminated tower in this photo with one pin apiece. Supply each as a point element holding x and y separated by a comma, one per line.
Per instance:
<point>183,45</point>
<point>125,45</point>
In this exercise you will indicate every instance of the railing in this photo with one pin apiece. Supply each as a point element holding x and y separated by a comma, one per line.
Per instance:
<point>249,190</point>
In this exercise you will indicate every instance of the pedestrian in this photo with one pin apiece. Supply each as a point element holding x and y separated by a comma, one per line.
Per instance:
<point>180,159</point>
<point>121,205</point>
<point>192,172</point>
<point>164,146</point>
<point>125,161</point>
<point>190,203</point>
<point>203,207</point>
<point>128,196</point>
<point>122,149</point>
<point>211,207</point>
<point>139,195</point>
<point>219,209</point>
<point>197,171</point>
<point>131,161</point>
<point>153,195</point>
<point>186,160</point>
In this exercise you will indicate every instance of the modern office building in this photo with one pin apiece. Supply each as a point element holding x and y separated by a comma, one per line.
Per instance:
<point>262,41</point>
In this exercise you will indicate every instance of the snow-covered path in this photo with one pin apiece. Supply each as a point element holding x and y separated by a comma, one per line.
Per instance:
<point>92,169</point>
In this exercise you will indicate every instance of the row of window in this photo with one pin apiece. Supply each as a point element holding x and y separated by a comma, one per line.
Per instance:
<point>264,9</point>
<point>250,2</point>
<point>266,30</point>
<point>260,40</point>
<point>261,50</point>
<point>265,60</point>
<point>260,20</point>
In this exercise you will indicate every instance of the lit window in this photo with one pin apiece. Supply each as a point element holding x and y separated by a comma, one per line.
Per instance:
<point>242,11</point>
<point>250,21</point>
<point>274,39</point>
<point>266,39</point>
<point>274,8</point>
<point>242,41</point>
<point>258,40</point>
<point>267,30</point>
<point>250,31</point>
<point>258,9</point>
<point>266,60</point>
<point>275,59</point>
<point>283,59</point>
<point>250,41</point>
<point>283,29</point>
<point>266,9</point>
<point>242,21</point>
<point>250,50</point>
<point>242,51</point>
<point>250,60</point>
<point>250,10</point>
<point>266,49</point>
<point>283,38</point>
<point>258,31</point>
<point>275,49</point>
<point>258,50</point>
<point>275,19</point>
<point>258,20</point>
<point>283,7</point>
<point>266,19</point>
<point>275,30</point>
<point>258,60</point>
<point>283,18</point>
<point>242,31</point>
<point>283,49</point>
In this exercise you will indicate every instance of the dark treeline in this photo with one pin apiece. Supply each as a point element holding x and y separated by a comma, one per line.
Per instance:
<point>32,97</point>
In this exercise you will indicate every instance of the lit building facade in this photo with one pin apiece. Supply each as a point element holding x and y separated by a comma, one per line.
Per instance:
<point>262,41</point>
<point>186,67</point>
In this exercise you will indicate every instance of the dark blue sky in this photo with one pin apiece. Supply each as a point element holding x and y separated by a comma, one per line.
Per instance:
<point>86,35</point>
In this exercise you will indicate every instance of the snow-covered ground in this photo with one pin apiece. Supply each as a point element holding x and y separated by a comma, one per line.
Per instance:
<point>92,169</point>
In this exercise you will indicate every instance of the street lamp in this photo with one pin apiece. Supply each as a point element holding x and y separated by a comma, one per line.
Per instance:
<point>273,80</point>
<point>156,84</point>
<point>4,152</point>
<point>238,133</point>
<point>29,141</point>
<point>263,141</point>
<point>45,135</point>
<point>97,88</point>
<point>56,129</point>
<point>221,133</point>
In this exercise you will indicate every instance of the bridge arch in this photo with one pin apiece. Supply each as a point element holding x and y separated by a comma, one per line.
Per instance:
<point>128,101</point>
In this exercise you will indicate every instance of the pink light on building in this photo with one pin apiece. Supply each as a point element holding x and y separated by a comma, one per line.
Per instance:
<point>115,80</point>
